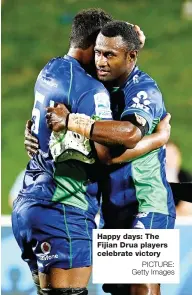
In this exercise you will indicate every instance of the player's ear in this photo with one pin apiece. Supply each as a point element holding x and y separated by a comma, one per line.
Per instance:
<point>132,56</point>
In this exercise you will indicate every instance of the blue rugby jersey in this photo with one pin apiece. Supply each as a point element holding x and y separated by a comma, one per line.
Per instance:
<point>142,179</point>
<point>72,182</point>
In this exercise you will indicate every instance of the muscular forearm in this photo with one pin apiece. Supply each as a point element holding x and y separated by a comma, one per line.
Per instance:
<point>104,132</point>
<point>144,146</point>
<point>115,133</point>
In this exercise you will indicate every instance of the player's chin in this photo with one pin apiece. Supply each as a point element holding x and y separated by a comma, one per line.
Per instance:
<point>104,78</point>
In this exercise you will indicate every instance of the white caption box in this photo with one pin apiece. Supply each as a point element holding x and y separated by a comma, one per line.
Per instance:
<point>135,256</point>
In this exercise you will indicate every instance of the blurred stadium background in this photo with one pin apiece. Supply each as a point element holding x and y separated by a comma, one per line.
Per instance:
<point>35,31</point>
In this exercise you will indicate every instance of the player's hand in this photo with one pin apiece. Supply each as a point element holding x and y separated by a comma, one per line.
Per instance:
<point>141,35</point>
<point>57,117</point>
<point>164,128</point>
<point>31,143</point>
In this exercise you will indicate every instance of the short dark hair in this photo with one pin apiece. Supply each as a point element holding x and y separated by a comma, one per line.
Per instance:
<point>125,30</point>
<point>86,26</point>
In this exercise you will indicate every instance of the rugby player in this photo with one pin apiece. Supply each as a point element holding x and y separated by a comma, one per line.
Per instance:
<point>53,216</point>
<point>137,106</point>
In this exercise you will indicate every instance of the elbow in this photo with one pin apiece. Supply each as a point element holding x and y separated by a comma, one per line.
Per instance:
<point>132,138</point>
<point>131,145</point>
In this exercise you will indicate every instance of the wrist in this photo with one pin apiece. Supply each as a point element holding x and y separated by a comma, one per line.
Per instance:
<point>80,123</point>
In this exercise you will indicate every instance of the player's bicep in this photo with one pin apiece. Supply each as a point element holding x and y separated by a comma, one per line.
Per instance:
<point>139,121</point>
<point>143,106</point>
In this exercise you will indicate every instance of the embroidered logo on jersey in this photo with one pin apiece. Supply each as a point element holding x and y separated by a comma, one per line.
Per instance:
<point>139,225</point>
<point>135,79</point>
<point>102,106</point>
<point>141,101</point>
<point>46,248</point>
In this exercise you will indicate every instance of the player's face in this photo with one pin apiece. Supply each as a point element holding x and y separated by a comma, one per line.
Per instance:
<point>112,59</point>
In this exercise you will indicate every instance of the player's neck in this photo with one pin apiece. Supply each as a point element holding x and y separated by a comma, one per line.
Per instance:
<point>122,79</point>
<point>81,55</point>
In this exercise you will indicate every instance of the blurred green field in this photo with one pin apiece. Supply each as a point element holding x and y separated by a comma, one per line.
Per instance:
<point>34,31</point>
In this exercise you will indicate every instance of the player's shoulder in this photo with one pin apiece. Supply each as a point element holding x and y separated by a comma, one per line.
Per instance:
<point>146,78</point>
<point>96,85</point>
<point>57,60</point>
<point>54,65</point>
<point>81,77</point>
<point>89,83</point>
<point>53,72</point>
<point>141,81</point>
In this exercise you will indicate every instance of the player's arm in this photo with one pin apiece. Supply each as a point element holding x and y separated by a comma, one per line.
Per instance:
<point>136,119</point>
<point>112,133</point>
<point>134,123</point>
<point>147,144</point>
<point>107,133</point>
